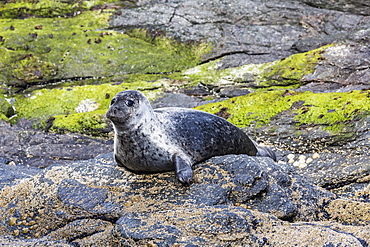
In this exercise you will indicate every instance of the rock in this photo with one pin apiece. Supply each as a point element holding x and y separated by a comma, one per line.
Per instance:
<point>11,174</point>
<point>245,32</point>
<point>236,199</point>
<point>75,194</point>
<point>333,169</point>
<point>231,92</point>
<point>343,160</point>
<point>98,187</point>
<point>6,108</point>
<point>11,241</point>
<point>205,225</point>
<point>26,146</point>
<point>343,64</point>
<point>351,6</point>
<point>175,100</point>
<point>232,225</point>
<point>49,50</point>
<point>246,181</point>
<point>300,234</point>
<point>356,213</point>
<point>84,232</point>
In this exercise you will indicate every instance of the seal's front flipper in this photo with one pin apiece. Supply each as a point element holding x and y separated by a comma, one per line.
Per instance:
<point>183,170</point>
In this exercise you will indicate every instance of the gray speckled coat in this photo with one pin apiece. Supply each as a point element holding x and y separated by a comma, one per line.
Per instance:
<point>167,139</point>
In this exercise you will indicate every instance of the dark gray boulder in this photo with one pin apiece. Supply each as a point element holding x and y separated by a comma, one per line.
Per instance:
<point>24,145</point>
<point>351,6</point>
<point>11,174</point>
<point>338,162</point>
<point>344,65</point>
<point>244,32</point>
<point>235,199</point>
<point>99,187</point>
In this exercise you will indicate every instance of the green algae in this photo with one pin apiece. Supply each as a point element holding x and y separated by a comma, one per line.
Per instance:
<point>290,70</point>
<point>284,72</point>
<point>6,109</point>
<point>255,108</point>
<point>3,117</point>
<point>331,110</point>
<point>32,69</point>
<point>72,56</point>
<point>83,47</point>
<point>46,8</point>
<point>61,104</point>
<point>91,123</point>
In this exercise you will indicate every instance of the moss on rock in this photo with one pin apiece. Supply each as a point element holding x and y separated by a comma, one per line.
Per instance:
<point>46,8</point>
<point>3,117</point>
<point>91,123</point>
<point>40,50</point>
<point>290,70</point>
<point>332,110</point>
<point>6,109</point>
<point>31,69</point>
<point>62,104</point>
<point>283,72</point>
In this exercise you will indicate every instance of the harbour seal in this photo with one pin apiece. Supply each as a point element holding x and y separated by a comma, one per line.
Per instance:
<point>167,139</point>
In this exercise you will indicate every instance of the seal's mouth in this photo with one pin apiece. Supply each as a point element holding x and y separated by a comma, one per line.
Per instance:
<point>114,115</point>
<point>111,114</point>
<point>119,117</point>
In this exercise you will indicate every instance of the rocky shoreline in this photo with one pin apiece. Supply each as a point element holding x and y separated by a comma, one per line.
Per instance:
<point>294,75</point>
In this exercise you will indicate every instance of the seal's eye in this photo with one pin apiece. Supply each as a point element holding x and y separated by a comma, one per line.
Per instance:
<point>113,101</point>
<point>130,102</point>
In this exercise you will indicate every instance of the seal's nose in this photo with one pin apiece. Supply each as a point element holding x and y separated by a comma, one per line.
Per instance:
<point>112,112</point>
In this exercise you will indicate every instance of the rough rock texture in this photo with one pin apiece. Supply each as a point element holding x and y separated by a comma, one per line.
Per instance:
<point>247,32</point>
<point>344,64</point>
<point>13,174</point>
<point>236,199</point>
<point>311,105</point>
<point>337,162</point>
<point>23,145</point>
<point>44,51</point>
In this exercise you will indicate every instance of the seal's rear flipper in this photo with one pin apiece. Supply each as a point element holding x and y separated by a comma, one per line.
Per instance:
<point>183,170</point>
<point>265,152</point>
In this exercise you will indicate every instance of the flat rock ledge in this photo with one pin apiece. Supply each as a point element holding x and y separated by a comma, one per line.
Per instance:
<point>235,200</point>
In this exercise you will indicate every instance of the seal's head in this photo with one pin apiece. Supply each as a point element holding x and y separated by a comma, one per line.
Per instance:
<point>128,108</point>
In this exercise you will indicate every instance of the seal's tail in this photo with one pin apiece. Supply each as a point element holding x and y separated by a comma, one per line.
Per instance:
<point>265,152</point>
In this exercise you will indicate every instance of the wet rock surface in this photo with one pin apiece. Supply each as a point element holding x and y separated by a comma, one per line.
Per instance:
<point>318,193</point>
<point>236,199</point>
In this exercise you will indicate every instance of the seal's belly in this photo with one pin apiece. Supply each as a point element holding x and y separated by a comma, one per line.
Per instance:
<point>144,158</point>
